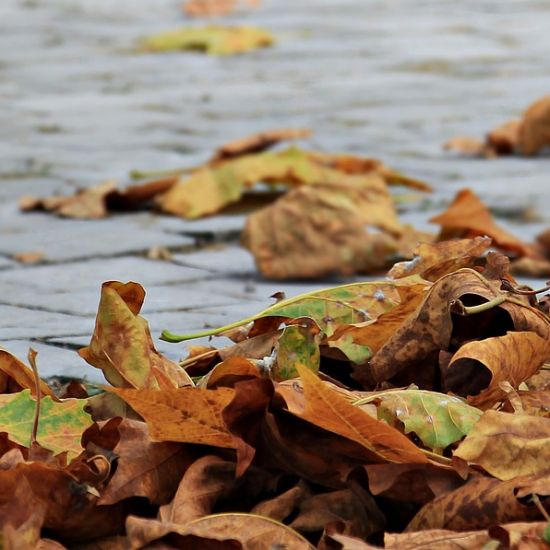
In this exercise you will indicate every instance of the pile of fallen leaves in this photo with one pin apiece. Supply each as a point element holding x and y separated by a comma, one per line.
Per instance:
<point>412,412</point>
<point>526,136</point>
<point>322,214</point>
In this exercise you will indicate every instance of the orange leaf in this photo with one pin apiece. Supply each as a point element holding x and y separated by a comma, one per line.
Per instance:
<point>470,217</point>
<point>188,415</point>
<point>328,410</point>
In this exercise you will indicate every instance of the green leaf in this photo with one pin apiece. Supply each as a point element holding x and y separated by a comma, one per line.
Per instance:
<point>436,418</point>
<point>297,345</point>
<point>346,304</point>
<point>356,353</point>
<point>212,39</point>
<point>60,425</point>
<point>546,533</point>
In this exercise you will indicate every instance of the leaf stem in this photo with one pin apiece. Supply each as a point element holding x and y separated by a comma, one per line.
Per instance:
<point>169,336</point>
<point>32,360</point>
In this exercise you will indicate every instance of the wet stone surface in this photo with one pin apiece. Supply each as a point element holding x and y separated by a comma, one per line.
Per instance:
<point>391,80</point>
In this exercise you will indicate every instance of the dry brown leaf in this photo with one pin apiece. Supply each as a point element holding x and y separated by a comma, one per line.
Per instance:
<point>329,410</point>
<point>144,468</point>
<point>511,358</point>
<point>480,503</point>
<point>428,329</point>
<point>97,201</point>
<point>534,129</point>
<point>292,445</point>
<point>418,483</point>
<point>437,539</point>
<point>432,261</point>
<point>316,230</point>
<point>281,506</point>
<point>187,415</point>
<point>237,530</point>
<point>204,482</point>
<point>122,346</point>
<point>259,142</point>
<point>521,536</point>
<point>468,217</point>
<point>355,509</point>
<point>508,445</point>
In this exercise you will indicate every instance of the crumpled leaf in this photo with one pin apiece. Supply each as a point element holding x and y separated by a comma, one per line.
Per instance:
<point>432,261</point>
<point>187,415</point>
<point>429,328</point>
<point>328,410</point>
<point>436,418</point>
<point>60,427</point>
<point>508,445</point>
<point>212,187</point>
<point>534,129</point>
<point>212,39</point>
<point>468,217</point>
<point>480,503</point>
<point>317,230</point>
<point>511,358</point>
<point>96,202</point>
<point>122,346</point>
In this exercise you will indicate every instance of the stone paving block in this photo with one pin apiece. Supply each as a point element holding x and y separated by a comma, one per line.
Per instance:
<point>224,259</point>
<point>62,239</point>
<point>55,361</point>
<point>90,274</point>
<point>16,322</point>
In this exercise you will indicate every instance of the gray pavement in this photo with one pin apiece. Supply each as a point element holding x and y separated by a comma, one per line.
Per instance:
<point>389,79</point>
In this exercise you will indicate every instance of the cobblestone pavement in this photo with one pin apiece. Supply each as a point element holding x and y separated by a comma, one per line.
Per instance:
<point>390,79</point>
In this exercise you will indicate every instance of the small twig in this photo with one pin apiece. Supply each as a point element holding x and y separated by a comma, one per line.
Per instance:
<point>509,287</point>
<point>541,508</point>
<point>32,360</point>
